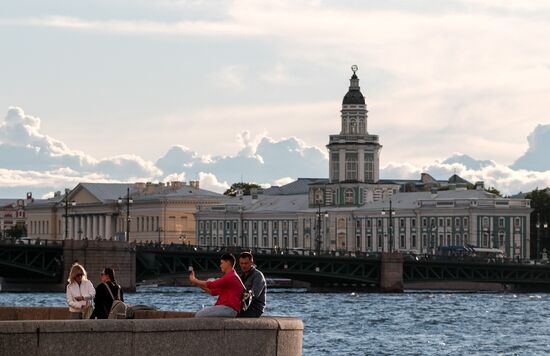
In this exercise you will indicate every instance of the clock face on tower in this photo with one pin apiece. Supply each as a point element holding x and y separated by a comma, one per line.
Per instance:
<point>354,68</point>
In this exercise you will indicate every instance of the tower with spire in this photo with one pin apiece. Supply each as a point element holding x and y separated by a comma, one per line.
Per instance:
<point>354,158</point>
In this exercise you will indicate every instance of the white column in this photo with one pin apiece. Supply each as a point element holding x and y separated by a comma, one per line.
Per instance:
<point>79,227</point>
<point>108,222</point>
<point>70,230</point>
<point>89,226</point>
<point>101,231</point>
<point>95,226</point>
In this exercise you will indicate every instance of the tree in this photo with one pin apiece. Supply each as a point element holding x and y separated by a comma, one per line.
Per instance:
<point>244,187</point>
<point>494,191</point>
<point>540,202</point>
<point>16,231</point>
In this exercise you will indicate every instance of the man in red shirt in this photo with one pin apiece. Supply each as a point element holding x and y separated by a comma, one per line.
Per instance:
<point>229,289</point>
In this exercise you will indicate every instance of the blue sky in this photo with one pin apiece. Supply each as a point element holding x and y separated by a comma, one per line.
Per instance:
<point>218,90</point>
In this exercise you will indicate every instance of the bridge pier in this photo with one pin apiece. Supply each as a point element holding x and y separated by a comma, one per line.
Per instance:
<point>95,255</point>
<point>391,272</point>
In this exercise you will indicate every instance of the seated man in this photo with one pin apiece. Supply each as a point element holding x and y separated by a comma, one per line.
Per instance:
<point>253,280</point>
<point>229,288</point>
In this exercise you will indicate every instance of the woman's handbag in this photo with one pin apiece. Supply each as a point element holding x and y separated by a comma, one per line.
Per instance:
<point>87,311</point>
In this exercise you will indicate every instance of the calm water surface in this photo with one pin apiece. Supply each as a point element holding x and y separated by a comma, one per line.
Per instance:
<point>418,323</point>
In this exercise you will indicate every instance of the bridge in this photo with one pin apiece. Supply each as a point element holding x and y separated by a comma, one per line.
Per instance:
<point>316,270</point>
<point>49,262</point>
<point>36,262</point>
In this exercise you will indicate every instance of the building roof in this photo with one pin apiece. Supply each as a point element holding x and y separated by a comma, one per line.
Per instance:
<point>107,191</point>
<point>263,204</point>
<point>299,186</point>
<point>354,95</point>
<point>112,191</point>
<point>5,202</point>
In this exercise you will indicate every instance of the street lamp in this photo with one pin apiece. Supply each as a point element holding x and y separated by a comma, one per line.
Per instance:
<point>127,200</point>
<point>545,226</point>
<point>159,230</point>
<point>66,204</point>
<point>318,238</point>
<point>391,213</point>
<point>538,226</point>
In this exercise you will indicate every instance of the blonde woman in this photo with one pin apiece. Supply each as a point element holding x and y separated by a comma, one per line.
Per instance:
<point>80,292</point>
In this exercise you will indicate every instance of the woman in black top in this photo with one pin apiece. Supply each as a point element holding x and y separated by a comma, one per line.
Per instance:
<point>103,299</point>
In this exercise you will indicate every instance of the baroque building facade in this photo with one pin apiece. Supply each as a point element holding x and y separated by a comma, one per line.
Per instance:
<point>354,211</point>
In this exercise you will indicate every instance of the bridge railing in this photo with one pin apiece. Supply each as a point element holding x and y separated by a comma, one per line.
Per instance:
<point>30,242</point>
<point>254,250</point>
<point>464,259</point>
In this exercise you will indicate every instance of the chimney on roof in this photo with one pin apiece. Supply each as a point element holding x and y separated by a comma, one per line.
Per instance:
<point>194,184</point>
<point>176,185</point>
<point>480,185</point>
<point>149,188</point>
<point>140,187</point>
<point>57,194</point>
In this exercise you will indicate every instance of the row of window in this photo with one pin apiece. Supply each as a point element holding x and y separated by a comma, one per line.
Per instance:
<point>498,241</point>
<point>442,222</point>
<point>352,127</point>
<point>254,241</point>
<point>352,166</point>
<point>233,225</point>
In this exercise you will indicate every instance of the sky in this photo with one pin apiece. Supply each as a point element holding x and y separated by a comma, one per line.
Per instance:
<point>223,91</point>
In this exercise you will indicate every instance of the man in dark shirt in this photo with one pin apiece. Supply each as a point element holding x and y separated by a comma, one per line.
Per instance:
<point>253,280</point>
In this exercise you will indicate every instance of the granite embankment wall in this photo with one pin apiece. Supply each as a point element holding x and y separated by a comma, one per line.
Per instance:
<point>46,331</point>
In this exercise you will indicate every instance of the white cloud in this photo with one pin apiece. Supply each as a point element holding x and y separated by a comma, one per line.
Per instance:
<point>536,156</point>
<point>505,179</point>
<point>451,75</point>
<point>283,181</point>
<point>24,147</point>
<point>274,118</point>
<point>209,181</point>
<point>175,177</point>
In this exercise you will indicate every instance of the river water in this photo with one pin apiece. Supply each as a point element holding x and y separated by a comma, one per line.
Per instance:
<point>415,323</point>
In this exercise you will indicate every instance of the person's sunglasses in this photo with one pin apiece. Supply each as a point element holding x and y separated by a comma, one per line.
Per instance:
<point>79,275</point>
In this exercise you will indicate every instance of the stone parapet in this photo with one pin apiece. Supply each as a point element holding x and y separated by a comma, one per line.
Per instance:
<point>276,336</point>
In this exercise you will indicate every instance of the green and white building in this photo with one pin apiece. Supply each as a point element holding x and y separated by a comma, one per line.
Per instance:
<point>350,211</point>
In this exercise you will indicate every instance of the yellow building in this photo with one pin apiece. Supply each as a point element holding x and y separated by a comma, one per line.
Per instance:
<point>140,212</point>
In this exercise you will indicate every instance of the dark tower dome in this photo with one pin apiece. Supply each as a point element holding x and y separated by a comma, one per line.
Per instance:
<point>354,96</point>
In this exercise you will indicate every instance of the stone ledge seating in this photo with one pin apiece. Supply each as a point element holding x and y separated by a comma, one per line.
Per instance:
<point>29,331</point>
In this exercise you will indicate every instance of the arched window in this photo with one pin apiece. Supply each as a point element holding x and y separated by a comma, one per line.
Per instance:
<point>352,127</point>
<point>361,126</point>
